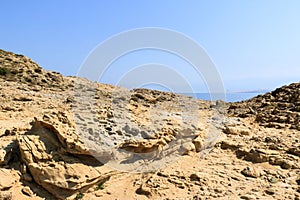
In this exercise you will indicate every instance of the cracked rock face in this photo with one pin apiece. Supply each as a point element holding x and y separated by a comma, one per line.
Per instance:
<point>62,167</point>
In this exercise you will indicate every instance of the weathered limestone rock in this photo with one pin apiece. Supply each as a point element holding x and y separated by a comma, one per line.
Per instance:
<point>51,163</point>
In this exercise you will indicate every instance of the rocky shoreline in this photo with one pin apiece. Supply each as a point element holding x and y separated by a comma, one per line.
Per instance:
<point>114,143</point>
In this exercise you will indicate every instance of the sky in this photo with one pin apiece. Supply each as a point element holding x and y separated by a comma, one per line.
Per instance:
<point>253,44</point>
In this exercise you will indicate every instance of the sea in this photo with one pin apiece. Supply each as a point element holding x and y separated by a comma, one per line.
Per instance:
<point>229,97</point>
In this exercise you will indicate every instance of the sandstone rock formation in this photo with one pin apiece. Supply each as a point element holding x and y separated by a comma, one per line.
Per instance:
<point>69,138</point>
<point>279,108</point>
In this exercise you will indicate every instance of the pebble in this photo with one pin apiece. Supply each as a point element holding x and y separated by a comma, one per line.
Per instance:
<point>195,177</point>
<point>27,191</point>
<point>270,191</point>
<point>251,172</point>
<point>248,197</point>
<point>286,164</point>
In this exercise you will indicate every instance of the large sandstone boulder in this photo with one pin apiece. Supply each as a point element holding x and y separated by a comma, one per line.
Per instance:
<point>59,164</point>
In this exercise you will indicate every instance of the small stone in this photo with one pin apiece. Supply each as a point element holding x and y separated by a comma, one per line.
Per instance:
<point>272,179</point>
<point>98,194</point>
<point>270,191</point>
<point>236,130</point>
<point>187,148</point>
<point>195,177</point>
<point>143,190</point>
<point>275,161</point>
<point>270,139</point>
<point>294,151</point>
<point>217,190</point>
<point>248,197</point>
<point>286,164</point>
<point>198,142</point>
<point>27,191</point>
<point>251,172</point>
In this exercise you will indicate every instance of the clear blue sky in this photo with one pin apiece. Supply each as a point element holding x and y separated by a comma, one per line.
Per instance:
<point>254,44</point>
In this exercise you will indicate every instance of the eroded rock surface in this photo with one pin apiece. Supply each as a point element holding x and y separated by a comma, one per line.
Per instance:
<point>57,160</point>
<point>279,108</point>
<point>66,138</point>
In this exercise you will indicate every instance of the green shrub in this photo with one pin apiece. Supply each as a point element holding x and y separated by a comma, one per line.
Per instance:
<point>3,71</point>
<point>100,186</point>
<point>79,196</point>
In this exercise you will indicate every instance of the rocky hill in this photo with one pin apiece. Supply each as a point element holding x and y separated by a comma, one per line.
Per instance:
<point>21,69</point>
<point>279,108</point>
<point>69,138</point>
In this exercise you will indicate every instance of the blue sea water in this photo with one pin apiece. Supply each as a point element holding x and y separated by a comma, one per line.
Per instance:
<point>229,97</point>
